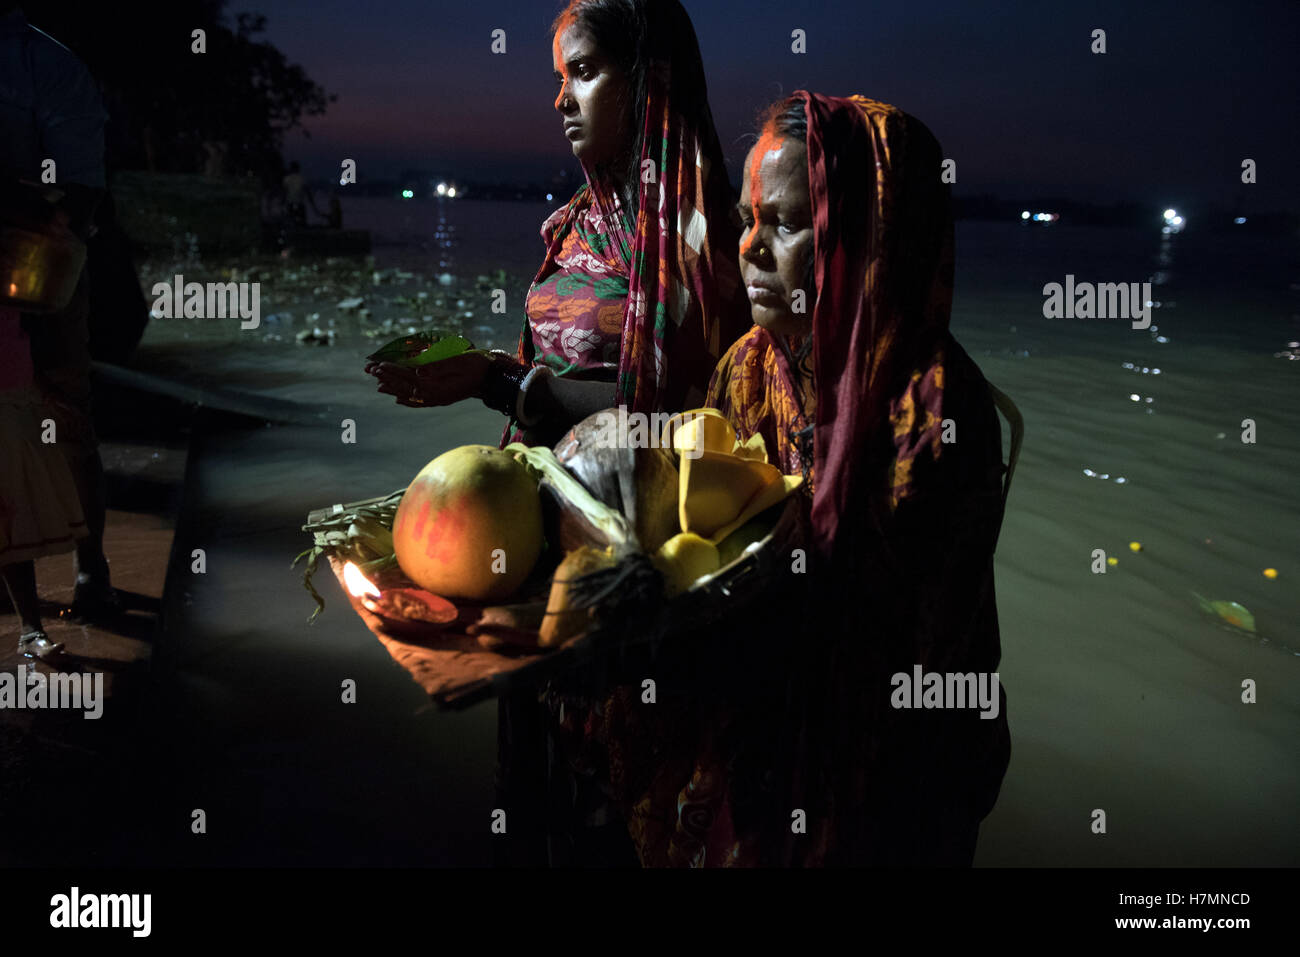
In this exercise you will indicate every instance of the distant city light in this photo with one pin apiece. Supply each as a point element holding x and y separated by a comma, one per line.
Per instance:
<point>451,192</point>
<point>408,193</point>
<point>1177,220</point>
<point>549,197</point>
<point>1240,220</point>
<point>442,189</point>
<point>1024,215</point>
<point>1170,213</point>
<point>1042,217</point>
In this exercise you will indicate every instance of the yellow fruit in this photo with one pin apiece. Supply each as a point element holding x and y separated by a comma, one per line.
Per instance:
<point>685,558</point>
<point>561,621</point>
<point>469,525</point>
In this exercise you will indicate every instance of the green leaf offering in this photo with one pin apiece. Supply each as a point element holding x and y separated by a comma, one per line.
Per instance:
<point>443,349</point>
<point>404,347</point>
<point>421,348</point>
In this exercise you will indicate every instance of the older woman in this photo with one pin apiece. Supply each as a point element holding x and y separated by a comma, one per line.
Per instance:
<point>851,376</point>
<point>638,295</point>
<point>843,199</point>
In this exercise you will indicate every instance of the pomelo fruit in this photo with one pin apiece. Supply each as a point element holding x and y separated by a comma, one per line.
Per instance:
<point>469,525</point>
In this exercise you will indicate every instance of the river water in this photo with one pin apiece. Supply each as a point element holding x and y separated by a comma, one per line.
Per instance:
<point>1123,693</point>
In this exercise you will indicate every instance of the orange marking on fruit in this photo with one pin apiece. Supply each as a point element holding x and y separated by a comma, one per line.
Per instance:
<point>446,536</point>
<point>456,511</point>
<point>421,519</point>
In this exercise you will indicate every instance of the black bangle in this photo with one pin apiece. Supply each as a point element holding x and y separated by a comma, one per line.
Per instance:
<point>501,387</point>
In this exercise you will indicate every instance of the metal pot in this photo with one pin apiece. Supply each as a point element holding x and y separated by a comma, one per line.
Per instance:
<point>39,269</point>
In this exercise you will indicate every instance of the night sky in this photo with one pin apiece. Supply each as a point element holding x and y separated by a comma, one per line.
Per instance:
<point>1185,91</point>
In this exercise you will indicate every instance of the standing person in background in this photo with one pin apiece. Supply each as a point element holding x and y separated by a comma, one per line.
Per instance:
<point>335,215</point>
<point>39,511</point>
<point>296,195</point>
<point>51,110</point>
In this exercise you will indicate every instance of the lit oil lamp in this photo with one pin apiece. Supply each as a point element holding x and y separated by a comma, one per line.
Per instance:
<point>357,583</point>
<point>398,604</point>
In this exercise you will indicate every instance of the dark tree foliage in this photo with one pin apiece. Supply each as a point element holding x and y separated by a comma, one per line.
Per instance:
<point>172,109</point>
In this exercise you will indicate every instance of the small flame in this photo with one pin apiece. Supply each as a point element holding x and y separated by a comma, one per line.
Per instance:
<point>358,584</point>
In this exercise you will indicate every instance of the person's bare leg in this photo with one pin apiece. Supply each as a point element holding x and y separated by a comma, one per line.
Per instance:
<point>88,473</point>
<point>20,581</point>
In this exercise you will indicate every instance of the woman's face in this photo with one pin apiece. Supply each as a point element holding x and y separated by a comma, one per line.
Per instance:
<point>593,98</point>
<point>776,238</point>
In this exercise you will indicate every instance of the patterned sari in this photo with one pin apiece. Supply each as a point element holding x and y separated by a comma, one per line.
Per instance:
<point>789,753</point>
<point>653,299</point>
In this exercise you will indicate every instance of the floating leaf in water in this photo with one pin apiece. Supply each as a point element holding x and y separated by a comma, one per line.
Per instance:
<point>1232,612</point>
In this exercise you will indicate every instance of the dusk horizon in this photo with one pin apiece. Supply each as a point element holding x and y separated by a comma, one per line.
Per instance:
<point>1130,125</point>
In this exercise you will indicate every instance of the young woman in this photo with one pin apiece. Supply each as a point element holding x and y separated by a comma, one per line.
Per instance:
<point>851,376</point>
<point>637,298</point>
<point>638,295</point>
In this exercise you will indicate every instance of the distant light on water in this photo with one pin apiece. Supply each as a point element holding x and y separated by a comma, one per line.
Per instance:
<point>408,193</point>
<point>1240,220</point>
<point>1024,215</point>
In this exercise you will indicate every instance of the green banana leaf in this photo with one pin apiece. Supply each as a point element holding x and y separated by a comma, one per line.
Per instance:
<point>421,348</point>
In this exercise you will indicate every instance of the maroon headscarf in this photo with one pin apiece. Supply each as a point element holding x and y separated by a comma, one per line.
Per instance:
<point>884,294</point>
